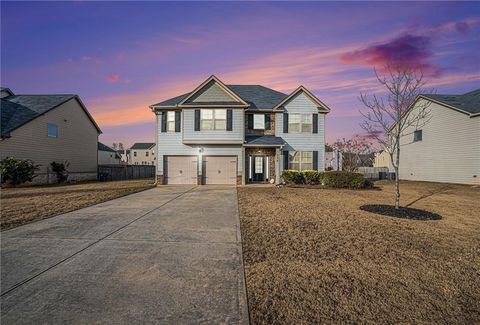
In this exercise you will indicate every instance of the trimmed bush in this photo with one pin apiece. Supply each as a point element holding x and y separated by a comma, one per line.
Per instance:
<point>17,171</point>
<point>312,177</point>
<point>291,176</point>
<point>60,169</point>
<point>344,179</point>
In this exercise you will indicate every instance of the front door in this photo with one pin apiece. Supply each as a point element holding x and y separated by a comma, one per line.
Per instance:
<point>258,168</point>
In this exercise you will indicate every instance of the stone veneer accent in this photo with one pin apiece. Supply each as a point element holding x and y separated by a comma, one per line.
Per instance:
<point>271,131</point>
<point>160,180</point>
<point>270,152</point>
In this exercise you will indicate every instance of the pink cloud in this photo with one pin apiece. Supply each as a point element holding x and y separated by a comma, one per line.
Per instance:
<point>407,50</point>
<point>113,78</point>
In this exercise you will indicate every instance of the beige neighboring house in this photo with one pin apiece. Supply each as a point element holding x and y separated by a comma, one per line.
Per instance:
<point>447,148</point>
<point>47,128</point>
<point>382,159</point>
<point>143,153</point>
<point>107,155</point>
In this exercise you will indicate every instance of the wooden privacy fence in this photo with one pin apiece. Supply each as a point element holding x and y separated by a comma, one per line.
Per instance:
<point>124,172</point>
<point>376,172</point>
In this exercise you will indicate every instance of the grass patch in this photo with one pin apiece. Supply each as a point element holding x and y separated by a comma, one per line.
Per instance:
<point>27,204</point>
<point>312,256</point>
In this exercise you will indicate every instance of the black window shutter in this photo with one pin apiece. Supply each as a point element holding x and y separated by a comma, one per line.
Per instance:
<point>267,122</point>
<point>285,160</point>
<point>315,160</point>
<point>250,121</point>
<point>164,122</point>
<point>285,122</point>
<point>197,120</point>
<point>315,123</point>
<point>229,120</point>
<point>178,115</point>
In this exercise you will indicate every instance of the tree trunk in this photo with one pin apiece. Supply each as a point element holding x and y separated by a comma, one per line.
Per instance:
<point>397,179</point>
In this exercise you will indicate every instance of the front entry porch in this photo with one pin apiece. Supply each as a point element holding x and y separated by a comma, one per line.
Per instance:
<point>261,165</point>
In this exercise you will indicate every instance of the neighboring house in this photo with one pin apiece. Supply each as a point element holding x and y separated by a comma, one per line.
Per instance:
<point>124,156</point>
<point>47,128</point>
<point>237,134</point>
<point>382,159</point>
<point>143,154</point>
<point>107,156</point>
<point>333,160</point>
<point>447,148</point>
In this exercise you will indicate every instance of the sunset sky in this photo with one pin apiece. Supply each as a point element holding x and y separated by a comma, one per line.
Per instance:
<point>121,57</point>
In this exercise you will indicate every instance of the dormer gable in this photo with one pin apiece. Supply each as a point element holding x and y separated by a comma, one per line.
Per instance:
<point>302,91</point>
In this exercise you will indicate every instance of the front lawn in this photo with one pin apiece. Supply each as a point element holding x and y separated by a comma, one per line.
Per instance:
<point>26,204</point>
<point>312,256</point>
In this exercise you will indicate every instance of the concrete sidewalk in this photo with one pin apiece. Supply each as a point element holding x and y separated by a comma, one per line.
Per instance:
<point>167,255</point>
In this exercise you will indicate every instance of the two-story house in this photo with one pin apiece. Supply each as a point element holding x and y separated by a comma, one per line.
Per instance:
<point>237,134</point>
<point>142,153</point>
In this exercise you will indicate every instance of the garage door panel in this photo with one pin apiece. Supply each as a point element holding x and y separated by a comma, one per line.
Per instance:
<point>220,170</point>
<point>181,169</point>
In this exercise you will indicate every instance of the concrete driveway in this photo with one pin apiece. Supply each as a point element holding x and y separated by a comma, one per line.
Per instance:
<point>167,255</point>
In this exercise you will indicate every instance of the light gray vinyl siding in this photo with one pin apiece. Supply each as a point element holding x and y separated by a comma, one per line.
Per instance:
<point>213,136</point>
<point>448,152</point>
<point>303,141</point>
<point>211,93</point>
<point>170,143</point>
<point>76,142</point>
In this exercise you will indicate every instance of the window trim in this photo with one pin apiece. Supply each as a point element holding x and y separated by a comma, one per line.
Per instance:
<point>301,123</point>
<point>213,119</point>
<point>301,161</point>
<point>263,121</point>
<point>48,130</point>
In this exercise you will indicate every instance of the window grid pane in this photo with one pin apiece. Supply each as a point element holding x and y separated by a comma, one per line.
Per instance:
<point>259,121</point>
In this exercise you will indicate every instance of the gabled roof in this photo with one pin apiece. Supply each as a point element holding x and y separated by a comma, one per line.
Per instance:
<point>143,145</point>
<point>103,147</point>
<point>320,105</point>
<point>264,140</point>
<point>256,97</point>
<point>468,103</point>
<point>237,100</point>
<point>7,90</point>
<point>17,110</point>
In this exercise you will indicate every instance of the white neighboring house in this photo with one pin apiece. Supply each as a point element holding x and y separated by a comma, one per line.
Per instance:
<point>447,148</point>
<point>142,153</point>
<point>333,160</point>
<point>382,159</point>
<point>107,156</point>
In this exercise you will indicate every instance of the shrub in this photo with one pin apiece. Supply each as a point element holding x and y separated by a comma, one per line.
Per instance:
<point>293,176</point>
<point>344,179</point>
<point>312,177</point>
<point>17,171</point>
<point>61,170</point>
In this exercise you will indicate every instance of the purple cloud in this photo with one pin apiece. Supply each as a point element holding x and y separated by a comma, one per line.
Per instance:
<point>408,50</point>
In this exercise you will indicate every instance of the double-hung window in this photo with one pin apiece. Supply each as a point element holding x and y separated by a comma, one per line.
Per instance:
<point>301,160</point>
<point>213,119</point>
<point>171,121</point>
<point>300,123</point>
<point>259,121</point>
<point>52,130</point>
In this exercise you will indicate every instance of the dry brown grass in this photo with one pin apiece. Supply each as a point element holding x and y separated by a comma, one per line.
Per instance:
<point>26,204</point>
<point>312,256</point>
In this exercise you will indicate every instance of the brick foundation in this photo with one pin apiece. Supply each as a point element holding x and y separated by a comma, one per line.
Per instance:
<point>239,180</point>
<point>160,180</point>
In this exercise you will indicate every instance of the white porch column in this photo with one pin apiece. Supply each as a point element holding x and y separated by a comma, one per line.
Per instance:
<point>277,166</point>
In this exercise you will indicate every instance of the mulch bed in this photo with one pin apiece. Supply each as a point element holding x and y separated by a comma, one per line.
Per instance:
<point>402,212</point>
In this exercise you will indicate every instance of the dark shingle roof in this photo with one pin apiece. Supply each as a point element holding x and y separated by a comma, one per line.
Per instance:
<point>17,110</point>
<point>258,97</point>
<point>103,147</point>
<point>143,145</point>
<point>468,102</point>
<point>264,140</point>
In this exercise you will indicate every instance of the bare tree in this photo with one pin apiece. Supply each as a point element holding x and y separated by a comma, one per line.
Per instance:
<point>120,146</point>
<point>114,146</point>
<point>390,117</point>
<point>355,152</point>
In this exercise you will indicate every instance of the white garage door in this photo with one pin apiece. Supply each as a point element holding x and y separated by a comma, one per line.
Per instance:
<point>220,170</point>
<point>181,170</point>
